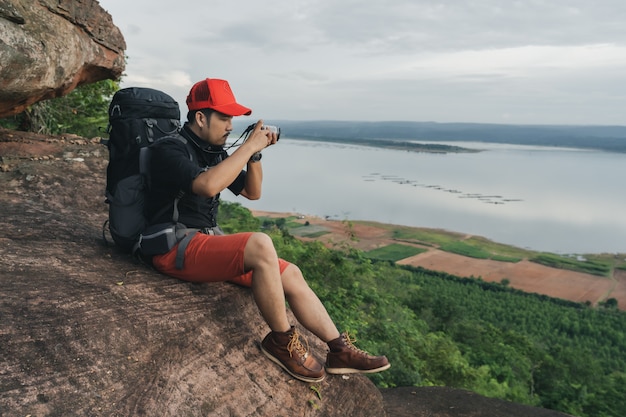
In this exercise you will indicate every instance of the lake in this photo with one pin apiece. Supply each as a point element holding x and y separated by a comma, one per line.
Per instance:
<point>541,198</point>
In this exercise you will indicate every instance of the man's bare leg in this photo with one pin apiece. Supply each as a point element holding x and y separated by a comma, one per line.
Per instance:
<point>267,288</point>
<point>282,345</point>
<point>306,306</point>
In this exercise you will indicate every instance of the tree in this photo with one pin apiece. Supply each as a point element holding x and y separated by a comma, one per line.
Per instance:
<point>611,303</point>
<point>233,217</point>
<point>84,112</point>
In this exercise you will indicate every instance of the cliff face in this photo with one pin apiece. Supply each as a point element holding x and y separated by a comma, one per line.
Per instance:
<point>48,47</point>
<point>88,331</point>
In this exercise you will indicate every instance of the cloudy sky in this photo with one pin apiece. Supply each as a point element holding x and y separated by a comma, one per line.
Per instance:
<point>493,61</point>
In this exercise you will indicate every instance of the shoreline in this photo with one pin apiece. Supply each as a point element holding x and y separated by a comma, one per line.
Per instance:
<point>524,275</point>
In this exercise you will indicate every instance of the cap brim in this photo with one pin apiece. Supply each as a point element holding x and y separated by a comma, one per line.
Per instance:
<point>233,109</point>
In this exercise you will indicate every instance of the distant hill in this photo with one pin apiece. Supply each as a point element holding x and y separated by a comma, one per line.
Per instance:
<point>608,138</point>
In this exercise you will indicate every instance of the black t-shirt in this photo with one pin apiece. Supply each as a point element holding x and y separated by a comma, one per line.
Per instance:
<point>172,170</point>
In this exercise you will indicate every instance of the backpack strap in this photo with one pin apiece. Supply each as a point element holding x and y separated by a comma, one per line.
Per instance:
<point>183,234</point>
<point>182,247</point>
<point>188,233</point>
<point>144,168</point>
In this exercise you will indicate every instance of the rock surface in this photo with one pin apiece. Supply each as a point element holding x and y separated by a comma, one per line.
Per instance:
<point>88,331</point>
<point>450,402</point>
<point>35,37</point>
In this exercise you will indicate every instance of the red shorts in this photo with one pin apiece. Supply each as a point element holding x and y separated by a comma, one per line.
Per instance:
<point>210,258</point>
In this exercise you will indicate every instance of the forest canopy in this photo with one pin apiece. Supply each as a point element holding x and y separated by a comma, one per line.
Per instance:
<point>438,329</point>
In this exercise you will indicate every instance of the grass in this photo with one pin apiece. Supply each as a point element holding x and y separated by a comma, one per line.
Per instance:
<point>314,234</point>
<point>499,250</point>
<point>430,237</point>
<point>466,249</point>
<point>394,252</point>
<point>475,247</point>
<point>311,231</point>
<point>588,266</point>
<point>294,226</point>
<point>501,258</point>
<point>618,260</point>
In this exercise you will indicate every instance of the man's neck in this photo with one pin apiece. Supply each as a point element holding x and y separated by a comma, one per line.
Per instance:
<point>191,133</point>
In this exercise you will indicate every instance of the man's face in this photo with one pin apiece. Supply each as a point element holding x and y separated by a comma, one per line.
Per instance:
<point>219,127</point>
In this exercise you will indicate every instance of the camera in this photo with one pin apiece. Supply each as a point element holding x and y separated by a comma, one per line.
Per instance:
<point>273,129</point>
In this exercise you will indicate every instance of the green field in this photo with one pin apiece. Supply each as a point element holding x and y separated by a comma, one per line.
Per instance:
<point>394,252</point>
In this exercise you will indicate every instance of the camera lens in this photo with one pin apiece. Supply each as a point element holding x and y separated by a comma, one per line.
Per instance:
<point>273,129</point>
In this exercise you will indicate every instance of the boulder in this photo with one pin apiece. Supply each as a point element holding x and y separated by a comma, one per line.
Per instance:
<point>48,47</point>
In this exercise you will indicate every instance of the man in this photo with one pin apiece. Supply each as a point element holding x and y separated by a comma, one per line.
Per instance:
<point>244,258</point>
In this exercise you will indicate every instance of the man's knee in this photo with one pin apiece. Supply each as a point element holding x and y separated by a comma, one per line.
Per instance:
<point>293,281</point>
<point>260,245</point>
<point>293,272</point>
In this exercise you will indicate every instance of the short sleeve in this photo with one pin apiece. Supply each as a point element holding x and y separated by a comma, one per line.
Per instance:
<point>171,165</point>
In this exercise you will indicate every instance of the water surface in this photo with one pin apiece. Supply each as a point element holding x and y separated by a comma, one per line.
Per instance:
<point>541,198</point>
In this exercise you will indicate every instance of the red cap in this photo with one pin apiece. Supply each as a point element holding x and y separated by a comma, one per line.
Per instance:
<point>216,95</point>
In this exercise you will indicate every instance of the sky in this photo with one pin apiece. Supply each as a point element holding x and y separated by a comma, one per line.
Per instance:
<point>479,61</point>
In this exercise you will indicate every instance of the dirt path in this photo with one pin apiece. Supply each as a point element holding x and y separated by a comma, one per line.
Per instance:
<point>524,275</point>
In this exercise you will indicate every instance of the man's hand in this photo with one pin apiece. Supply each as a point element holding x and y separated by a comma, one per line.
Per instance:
<point>261,138</point>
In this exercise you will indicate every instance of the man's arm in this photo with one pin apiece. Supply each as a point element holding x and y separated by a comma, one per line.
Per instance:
<point>216,179</point>
<point>254,180</point>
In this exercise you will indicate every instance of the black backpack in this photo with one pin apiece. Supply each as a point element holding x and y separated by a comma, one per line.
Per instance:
<point>137,118</point>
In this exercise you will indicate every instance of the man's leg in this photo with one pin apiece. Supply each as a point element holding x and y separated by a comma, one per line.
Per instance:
<point>282,345</point>
<point>306,306</point>
<point>267,288</point>
<point>344,357</point>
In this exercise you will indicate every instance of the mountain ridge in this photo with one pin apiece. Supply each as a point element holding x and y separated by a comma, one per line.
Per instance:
<point>596,137</point>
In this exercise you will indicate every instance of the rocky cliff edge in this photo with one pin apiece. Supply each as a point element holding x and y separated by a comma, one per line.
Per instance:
<point>87,331</point>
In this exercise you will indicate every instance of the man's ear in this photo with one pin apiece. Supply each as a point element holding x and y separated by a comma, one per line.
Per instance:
<point>201,119</point>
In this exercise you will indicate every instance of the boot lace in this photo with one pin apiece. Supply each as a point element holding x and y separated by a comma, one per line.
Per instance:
<point>350,340</point>
<point>296,344</point>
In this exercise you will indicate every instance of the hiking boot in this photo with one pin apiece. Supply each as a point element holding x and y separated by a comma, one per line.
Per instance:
<point>287,350</point>
<point>345,358</point>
